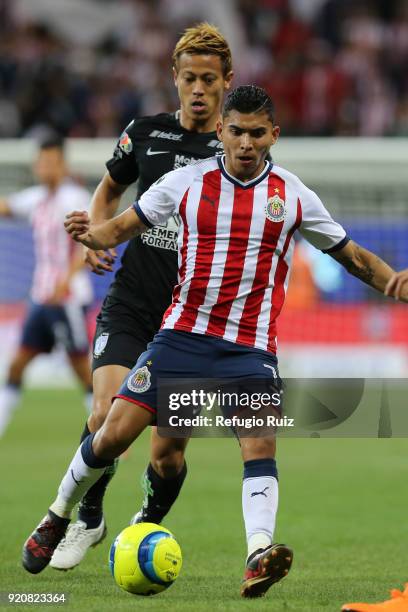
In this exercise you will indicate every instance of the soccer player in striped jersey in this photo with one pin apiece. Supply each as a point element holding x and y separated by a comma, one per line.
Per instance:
<point>238,215</point>
<point>60,288</point>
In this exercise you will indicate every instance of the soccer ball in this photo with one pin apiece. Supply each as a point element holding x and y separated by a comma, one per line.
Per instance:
<point>145,559</point>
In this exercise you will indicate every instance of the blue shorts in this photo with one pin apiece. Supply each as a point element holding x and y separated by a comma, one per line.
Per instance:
<point>47,325</point>
<point>182,355</point>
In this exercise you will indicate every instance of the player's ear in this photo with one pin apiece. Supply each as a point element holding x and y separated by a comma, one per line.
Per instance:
<point>275,133</point>
<point>219,128</point>
<point>228,79</point>
<point>175,74</point>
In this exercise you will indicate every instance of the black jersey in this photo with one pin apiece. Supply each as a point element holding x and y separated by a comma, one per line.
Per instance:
<point>147,149</point>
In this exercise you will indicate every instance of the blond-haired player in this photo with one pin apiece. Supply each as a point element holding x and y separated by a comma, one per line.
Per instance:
<point>141,291</point>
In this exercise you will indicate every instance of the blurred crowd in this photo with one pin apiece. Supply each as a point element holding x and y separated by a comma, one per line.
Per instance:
<point>333,67</point>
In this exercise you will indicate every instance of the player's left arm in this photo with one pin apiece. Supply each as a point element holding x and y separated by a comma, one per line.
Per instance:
<point>104,235</point>
<point>397,286</point>
<point>367,266</point>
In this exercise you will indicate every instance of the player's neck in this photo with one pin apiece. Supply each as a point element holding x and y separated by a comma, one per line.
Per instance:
<point>53,186</point>
<point>208,125</point>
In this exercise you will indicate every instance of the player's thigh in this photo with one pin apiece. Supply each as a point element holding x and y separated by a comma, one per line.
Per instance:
<point>106,381</point>
<point>115,352</point>
<point>124,423</point>
<point>255,375</point>
<point>167,454</point>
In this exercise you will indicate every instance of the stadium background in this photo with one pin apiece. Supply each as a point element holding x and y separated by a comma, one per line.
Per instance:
<point>337,72</point>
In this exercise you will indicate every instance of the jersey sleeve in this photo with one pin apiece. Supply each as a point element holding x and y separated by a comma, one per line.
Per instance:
<point>318,227</point>
<point>122,166</point>
<point>163,198</point>
<point>23,203</point>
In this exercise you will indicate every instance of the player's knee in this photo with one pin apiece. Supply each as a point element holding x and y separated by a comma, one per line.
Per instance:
<point>168,465</point>
<point>100,409</point>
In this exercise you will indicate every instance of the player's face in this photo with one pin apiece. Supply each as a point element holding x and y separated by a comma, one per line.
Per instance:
<point>200,83</point>
<point>49,167</point>
<point>247,138</point>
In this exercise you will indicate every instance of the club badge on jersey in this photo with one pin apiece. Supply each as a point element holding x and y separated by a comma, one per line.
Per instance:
<point>275,209</point>
<point>100,344</point>
<point>140,380</point>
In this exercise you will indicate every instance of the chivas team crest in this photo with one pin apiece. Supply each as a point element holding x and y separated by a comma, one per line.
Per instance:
<point>140,380</point>
<point>275,209</point>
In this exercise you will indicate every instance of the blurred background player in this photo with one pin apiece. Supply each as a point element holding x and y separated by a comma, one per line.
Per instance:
<point>132,311</point>
<point>60,290</point>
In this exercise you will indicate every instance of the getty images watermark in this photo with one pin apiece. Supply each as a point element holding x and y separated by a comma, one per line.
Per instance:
<point>253,407</point>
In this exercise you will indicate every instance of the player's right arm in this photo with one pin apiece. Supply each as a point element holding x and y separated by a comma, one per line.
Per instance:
<point>122,171</point>
<point>155,206</point>
<point>104,235</point>
<point>104,204</point>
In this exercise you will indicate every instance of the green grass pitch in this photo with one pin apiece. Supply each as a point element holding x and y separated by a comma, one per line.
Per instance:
<point>343,508</point>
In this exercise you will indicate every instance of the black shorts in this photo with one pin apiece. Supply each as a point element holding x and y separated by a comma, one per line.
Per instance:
<point>114,346</point>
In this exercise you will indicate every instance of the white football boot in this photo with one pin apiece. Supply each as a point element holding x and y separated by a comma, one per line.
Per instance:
<point>78,539</point>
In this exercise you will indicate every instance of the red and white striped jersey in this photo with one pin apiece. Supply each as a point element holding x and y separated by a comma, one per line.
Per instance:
<point>52,245</point>
<point>235,246</point>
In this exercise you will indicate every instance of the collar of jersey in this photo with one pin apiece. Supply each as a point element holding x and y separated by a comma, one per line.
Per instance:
<point>235,181</point>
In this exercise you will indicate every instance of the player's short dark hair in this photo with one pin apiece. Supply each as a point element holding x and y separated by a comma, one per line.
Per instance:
<point>54,141</point>
<point>249,99</point>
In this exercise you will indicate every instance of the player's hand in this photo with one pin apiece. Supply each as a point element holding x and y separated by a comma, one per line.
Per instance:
<point>100,262</point>
<point>397,286</point>
<point>77,224</point>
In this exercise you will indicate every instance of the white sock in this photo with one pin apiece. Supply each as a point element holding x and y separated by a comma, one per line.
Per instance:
<point>76,482</point>
<point>9,398</point>
<point>259,504</point>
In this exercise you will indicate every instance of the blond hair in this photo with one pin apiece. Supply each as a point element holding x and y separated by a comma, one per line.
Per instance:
<point>204,39</point>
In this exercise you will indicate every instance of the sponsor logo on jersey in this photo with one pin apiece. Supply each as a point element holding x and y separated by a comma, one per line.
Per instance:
<point>215,144</point>
<point>275,209</point>
<point>140,380</point>
<point>100,344</point>
<point>166,135</point>
<point>150,152</point>
<point>163,236</point>
<point>183,160</point>
<point>125,144</point>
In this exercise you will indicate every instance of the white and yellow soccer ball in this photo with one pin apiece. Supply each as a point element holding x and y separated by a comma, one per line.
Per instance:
<point>145,559</point>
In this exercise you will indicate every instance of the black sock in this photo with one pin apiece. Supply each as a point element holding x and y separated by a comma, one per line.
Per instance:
<point>160,493</point>
<point>90,508</point>
<point>85,433</point>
